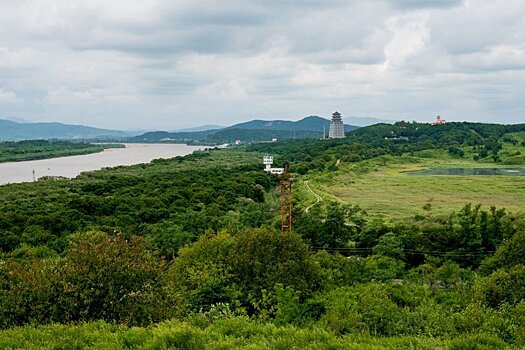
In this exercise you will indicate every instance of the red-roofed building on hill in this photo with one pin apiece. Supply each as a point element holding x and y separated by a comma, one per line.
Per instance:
<point>439,121</point>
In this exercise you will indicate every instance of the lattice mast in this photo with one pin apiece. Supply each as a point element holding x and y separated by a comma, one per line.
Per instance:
<point>285,183</point>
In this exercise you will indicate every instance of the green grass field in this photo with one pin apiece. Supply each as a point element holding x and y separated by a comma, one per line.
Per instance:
<point>237,333</point>
<point>382,187</point>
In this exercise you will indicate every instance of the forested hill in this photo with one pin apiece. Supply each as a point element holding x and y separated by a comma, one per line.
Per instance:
<point>401,137</point>
<point>460,132</point>
<point>12,131</point>
<point>311,123</point>
<point>252,131</point>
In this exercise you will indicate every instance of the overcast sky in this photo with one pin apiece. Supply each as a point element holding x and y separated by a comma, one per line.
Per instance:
<point>173,64</point>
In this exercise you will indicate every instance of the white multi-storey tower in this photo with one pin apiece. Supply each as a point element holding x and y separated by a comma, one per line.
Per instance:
<point>337,129</point>
<point>268,161</point>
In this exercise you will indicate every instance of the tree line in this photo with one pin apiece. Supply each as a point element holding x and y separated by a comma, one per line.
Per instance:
<point>11,151</point>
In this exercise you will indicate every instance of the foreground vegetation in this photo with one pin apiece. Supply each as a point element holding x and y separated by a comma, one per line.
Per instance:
<point>42,149</point>
<point>235,333</point>
<point>185,253</point>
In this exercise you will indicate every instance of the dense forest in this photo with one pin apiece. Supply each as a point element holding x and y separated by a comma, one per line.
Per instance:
<point>188,250</point>
<point>11,151</point>
<point>400,138</point>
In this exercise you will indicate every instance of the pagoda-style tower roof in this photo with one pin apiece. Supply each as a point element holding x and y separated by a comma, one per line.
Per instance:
<point>336,115</point>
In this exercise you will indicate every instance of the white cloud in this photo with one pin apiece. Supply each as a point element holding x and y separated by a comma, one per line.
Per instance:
<point>7,97</point>
<point>175,64</point>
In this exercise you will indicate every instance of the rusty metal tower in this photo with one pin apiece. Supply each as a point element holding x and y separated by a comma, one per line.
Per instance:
<point>285,183</point>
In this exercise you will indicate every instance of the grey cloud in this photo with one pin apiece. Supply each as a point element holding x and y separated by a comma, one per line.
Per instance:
<point>190,62</point>
<point>425,4</point>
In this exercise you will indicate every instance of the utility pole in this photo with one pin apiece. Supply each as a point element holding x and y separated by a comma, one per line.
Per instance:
<point>285,183</point>
<point>34,176</point>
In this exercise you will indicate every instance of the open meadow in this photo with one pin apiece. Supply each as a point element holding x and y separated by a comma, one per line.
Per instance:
<point>385,187</point>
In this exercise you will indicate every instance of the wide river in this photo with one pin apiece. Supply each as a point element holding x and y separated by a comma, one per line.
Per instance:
<point>134,153</point>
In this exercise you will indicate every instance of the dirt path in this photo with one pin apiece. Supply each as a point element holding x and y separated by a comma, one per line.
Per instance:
<point>318,197</point>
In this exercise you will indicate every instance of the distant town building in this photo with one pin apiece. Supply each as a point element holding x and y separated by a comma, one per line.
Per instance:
<point>439,121</point>
<point>337,129</point>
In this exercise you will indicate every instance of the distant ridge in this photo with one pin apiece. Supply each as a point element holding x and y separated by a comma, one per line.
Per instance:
<point>201,128</point>
<point>254,130</point>
<point>366,121</point>
<point>311,123</point>
<point>18,120</point>
<point>13,131</point>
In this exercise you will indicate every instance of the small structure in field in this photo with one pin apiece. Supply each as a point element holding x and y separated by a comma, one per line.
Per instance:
<point>439,120</point>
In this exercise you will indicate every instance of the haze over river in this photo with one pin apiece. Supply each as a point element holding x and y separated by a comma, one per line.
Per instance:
<point>71,167</point>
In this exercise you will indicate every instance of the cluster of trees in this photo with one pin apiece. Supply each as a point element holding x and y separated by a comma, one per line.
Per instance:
<point>124,279</point>
<point>465,237</point>
<point>170,201</point>
<point>263,274</point>
<point>11,151</point>
<point>382,139</point>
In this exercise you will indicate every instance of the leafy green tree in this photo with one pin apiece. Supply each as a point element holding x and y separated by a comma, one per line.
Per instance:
<point>335,229</point>
<point>383,268</point>
<point>505,286</point>
<point>390,245</point>
<point>362,309</point>
<point>203,274</point>
<point>240,269</point>
<point>508,254</point>
<point>337,270</point>
<point>27,292</point>
<point>113,278</point>
<point>264,257</point>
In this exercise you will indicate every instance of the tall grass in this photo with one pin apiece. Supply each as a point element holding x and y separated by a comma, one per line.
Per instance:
<point>236,333</point>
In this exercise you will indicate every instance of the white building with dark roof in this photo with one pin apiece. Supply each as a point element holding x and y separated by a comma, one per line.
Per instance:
<point>337,128</point>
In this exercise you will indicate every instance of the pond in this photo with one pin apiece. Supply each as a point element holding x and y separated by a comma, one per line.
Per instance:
<point>470,171</point>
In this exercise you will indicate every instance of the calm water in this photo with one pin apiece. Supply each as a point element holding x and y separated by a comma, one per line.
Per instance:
<point>73,166</point>
<point>471,171</point>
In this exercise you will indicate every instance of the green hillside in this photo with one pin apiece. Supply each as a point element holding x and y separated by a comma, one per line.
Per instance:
<point>186,252</point>
<point>253,131</point>
<point>311,123</point>
<point>12,131</point>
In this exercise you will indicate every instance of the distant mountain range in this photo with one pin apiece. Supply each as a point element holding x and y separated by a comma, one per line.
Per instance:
<point>13,131</point>
<point>201,128</point>
<point>366,121</point>
<point>307,123</point>
<point>255,130</point>
<point>311,123</point>
<point>18,120</point>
